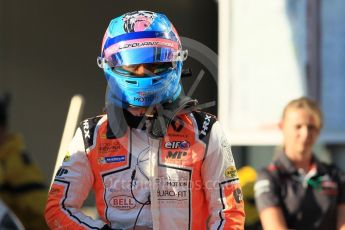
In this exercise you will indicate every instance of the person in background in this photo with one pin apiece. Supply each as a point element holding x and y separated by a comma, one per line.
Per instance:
<point>8,220</point>
<point>153,160</point>
<point>296,190</point>
<point>247,177</point>
<point>22,186</point>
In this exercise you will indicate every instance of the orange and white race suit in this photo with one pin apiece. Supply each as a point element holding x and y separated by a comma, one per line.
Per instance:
<point>186,180</point>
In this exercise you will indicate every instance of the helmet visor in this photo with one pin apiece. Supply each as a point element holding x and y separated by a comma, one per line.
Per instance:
<point>141,51</point>
<point>142,70</point>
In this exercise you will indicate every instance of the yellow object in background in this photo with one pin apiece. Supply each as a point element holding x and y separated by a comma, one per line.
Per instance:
<point>22,185</point>
<point>247,177</point>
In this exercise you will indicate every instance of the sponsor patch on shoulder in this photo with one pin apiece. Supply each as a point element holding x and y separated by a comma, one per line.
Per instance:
<point>238,195</point>
<point>67,157</point>
<point>231,172</point>
<point>61,172</point>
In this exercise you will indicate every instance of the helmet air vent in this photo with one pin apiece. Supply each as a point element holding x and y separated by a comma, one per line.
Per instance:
<point>156,80</point>
<point>132,82</point>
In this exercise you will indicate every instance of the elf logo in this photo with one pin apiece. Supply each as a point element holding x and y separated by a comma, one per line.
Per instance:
<point>177,145</point>
<point>176,154</point>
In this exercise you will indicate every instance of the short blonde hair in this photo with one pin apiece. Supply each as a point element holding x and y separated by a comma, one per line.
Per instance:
<point>305,103</point>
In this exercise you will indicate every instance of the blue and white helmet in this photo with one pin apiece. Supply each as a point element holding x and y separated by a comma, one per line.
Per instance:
<point>141,37</point>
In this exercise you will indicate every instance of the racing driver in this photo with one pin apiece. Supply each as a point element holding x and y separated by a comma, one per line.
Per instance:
<point>153,160</point>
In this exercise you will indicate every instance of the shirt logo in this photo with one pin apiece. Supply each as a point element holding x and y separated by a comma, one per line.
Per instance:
<point>205,125</point>
<point>122,202</point>
<point>61,172</point>
<point>238,195</point>
<point>67,157</point>
<point>113,159</point>
<point>231,172</point>
<point>176,155</point>
<point>177,145</point>
<point>86,129</point>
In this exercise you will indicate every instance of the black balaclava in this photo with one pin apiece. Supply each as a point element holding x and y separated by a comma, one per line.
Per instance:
<point>156,125</point>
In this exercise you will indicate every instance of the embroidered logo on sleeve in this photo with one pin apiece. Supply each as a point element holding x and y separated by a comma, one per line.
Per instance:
<point>67,157</point>
<point>231,172</point>
<point>238,195</point>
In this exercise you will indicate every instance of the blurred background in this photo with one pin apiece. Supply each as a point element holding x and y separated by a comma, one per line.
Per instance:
<point>48,52</point>
<point>267,53</point>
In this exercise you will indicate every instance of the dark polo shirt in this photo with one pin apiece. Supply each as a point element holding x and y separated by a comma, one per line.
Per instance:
<point>308,201</point>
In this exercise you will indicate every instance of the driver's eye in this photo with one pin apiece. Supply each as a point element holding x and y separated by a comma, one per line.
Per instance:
<point>121,70</point>
<point>161,68</point>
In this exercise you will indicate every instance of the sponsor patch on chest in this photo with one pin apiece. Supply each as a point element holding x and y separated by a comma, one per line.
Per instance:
<point>112,159</point>
<point>108,148</point>
<point>122,202</point>
<point>176,151</point>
